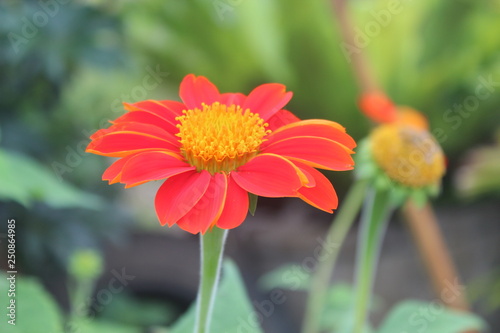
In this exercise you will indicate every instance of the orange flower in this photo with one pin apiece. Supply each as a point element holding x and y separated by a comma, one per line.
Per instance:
<point>213,149</point>
<point>379,108</point>
<point>401,149</point>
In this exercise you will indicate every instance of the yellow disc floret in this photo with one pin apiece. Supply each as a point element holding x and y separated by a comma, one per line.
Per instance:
<point>220,137</point>
<point>408,155</point>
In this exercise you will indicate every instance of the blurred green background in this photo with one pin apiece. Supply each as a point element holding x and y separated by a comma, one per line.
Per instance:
<point>66,66</point>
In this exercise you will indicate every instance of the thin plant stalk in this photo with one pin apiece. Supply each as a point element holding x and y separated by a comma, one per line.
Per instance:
<point>359,65</point>
<point>211,250</point>
<point>81,290</point>
<point>374,220</point>
<point>336,235</point>
<point>434,252</point>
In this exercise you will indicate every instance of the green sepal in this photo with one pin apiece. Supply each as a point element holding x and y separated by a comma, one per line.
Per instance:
<point>399,195</point>
<point>366,170</point>
<point>419,197</point>
<point>383,183</point>
<point>253,203</point>
<point>433,190</point>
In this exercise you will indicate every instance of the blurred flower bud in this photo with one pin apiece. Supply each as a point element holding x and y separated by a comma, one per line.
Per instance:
<point>85,264</point>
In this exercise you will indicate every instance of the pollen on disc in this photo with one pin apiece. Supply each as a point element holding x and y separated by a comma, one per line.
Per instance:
<point>408,155</point>
<point>220,137</point>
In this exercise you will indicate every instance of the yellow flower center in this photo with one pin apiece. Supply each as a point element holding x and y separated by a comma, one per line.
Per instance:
<point>408,155</point>
<point>220,137</point>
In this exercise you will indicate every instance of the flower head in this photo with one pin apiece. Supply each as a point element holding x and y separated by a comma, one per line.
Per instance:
<point>400,151</point>
<point>213,149</point>
<point>408,155</point>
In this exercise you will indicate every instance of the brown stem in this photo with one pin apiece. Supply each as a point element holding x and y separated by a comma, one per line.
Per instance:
<point>429,240</point>
<point>362,73</point>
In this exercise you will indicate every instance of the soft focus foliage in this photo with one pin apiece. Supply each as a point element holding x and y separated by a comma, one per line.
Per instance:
<point>478,176</point>
<point>231,310</point>
<point>25,181</point>
<point>407,317</point>
<point>63,79</point>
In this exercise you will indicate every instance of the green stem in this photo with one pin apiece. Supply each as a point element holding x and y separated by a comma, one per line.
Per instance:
<point>81,290</point>
<point>374,220</point>
<point>328,257</point>
<point>212,248</point>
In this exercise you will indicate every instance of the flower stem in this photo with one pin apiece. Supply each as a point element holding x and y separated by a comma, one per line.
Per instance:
<point>81,291</point>
<point>359,64</point>
<point>336,236</point>
<point>431,244</point>
<point>375,215</point>
<point>211,248</point>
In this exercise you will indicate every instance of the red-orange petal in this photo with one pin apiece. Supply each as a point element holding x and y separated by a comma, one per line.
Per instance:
<point>267,99</point>
<point>281,118</point>
<point>311,181</point>
<point>152,165</point>
<point>166,109</point>
<point>113,173</point>
<point>208,209</point>
<point>197,90</point>
<point>179,194</point>
<point>312,127</point>
<point>139,128</point>
<point>235,207</point>
<point>232,98</point>
<point>316,152</point>
<point>120,144</point>
<point>269,175</point>
<point>149,118</point>
<point>321,196</point>
<point>378,107</point>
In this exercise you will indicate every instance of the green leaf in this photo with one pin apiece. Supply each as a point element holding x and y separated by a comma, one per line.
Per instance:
<point>102,326</point>
<point>289,276</point>
<point>416,316</point>
<point>337,315</point>
<point>34,308</point>
<point>253,203</point>
<point>24,180</point>
<point>233,311</point>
